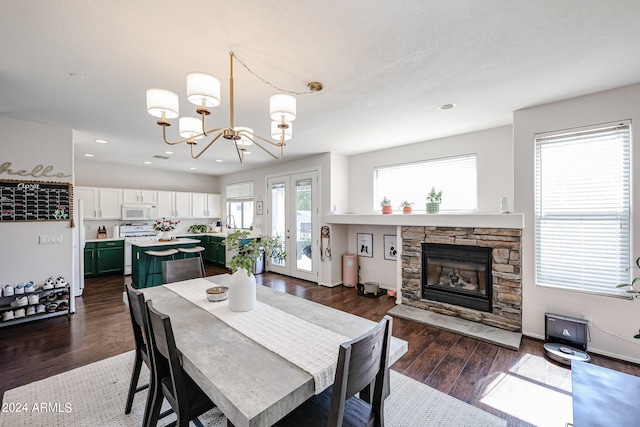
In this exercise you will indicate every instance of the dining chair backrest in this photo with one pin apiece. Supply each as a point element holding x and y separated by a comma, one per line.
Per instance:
<point>181,269</point>
<point>165,358</point>
<point>137,309</point>
<point>363,362</point>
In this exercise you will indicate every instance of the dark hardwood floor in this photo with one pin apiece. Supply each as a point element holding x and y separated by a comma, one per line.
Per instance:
<point>521,386</point>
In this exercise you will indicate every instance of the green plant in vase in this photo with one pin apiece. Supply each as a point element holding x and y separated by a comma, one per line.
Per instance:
<point>433,201</point>
<point>198,228</point>
<point>385,204</point>
<point>247,250</point>
<point>407,207</point>
<point>632,289</point>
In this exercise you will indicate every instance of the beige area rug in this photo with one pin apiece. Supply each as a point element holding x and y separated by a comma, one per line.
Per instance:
<point>94,395</point>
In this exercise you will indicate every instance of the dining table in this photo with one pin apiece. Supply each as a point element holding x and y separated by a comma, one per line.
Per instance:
<point>258,366</point>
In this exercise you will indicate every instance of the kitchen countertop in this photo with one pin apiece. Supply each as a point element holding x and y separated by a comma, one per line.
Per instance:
<point>108,239</point>
<point>151,243</point>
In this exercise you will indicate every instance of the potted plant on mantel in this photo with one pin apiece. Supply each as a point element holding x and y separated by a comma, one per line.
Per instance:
<point>247,251</point>
<point>631,288</point>
<point>433,201</point>
<point>385,204</point>
<point>407,207</point>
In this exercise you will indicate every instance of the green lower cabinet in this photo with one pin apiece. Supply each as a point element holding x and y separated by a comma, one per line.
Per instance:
<point>103,257</point>
<point>222,254</point>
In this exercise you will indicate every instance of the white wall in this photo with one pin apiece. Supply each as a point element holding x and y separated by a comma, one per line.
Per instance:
<point>619,317</point>
<point>90,173</point>
<point>494,149</point>
<point>26,145</point>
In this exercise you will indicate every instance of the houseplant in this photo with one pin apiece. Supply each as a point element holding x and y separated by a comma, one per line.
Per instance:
<point>385,204</point>
<point>433,201</point>
<point>166,227</point>
<point>198,228</point>
<point>632,289</point>
<point>242,292</point>
<point>407,207</point>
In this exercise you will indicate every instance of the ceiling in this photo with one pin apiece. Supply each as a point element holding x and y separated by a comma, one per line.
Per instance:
<point>386,66</point>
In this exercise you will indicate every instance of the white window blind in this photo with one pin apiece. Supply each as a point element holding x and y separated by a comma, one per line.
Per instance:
<point>582,211</point>
<point>457,177</point>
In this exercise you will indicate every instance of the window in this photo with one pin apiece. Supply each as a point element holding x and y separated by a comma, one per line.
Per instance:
<point>582,212</point>
<point>240,205</point>
<point>457,177</point>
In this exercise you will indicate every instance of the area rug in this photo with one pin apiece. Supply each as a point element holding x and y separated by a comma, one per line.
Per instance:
<point>94,395</point>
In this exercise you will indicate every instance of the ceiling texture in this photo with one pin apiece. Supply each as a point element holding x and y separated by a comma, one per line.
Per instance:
<point>386,66</point>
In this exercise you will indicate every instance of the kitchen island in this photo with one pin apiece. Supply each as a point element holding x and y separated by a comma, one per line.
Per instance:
<point>140,260</point>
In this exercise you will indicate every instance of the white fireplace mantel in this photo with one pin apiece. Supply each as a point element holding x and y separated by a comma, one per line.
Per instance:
<point>512,220</point>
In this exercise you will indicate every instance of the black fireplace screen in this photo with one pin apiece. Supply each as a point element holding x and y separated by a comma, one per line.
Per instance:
<point>457,274</point>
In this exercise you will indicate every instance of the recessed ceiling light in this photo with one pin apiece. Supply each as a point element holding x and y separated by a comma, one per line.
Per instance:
<point>147,162</point>
<point>88,155</point>
<point>168,152</point>
<point>247,152</point>
<point>76,75</point>
<point>219,160</point>
<point>445,107</point>
<point>101,141</point>
<point>192,168</point>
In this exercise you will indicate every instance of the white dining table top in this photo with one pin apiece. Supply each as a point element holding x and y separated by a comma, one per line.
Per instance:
<point>250,384</point>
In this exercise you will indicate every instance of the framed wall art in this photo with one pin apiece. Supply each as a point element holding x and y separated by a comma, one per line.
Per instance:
<point>390,247</point>
<point>365,244</point>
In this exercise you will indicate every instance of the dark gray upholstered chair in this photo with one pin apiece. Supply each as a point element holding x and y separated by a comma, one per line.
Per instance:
<point>171,381</point>
<point>363,368</point>
<point>181,269</point>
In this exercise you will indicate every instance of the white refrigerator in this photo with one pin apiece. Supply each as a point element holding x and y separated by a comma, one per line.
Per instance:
<point>78,253</point>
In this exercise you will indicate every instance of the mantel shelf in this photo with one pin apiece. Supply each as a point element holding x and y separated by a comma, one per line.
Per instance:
<point>512,220</point>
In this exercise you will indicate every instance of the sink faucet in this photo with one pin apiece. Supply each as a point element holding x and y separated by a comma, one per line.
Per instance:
<point>229,222</point>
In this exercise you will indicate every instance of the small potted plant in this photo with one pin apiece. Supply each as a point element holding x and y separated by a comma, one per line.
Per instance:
<point>407,207</point>
<point>433,201</point>
<point>198,228</point>
<point>385,204</point>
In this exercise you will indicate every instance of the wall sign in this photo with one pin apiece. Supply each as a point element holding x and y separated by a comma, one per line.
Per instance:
<point>39,171</point>
<point>35,201</point>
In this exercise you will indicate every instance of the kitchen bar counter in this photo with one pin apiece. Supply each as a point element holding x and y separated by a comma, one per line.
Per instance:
<point>108,239</point>
<point>140,260</point>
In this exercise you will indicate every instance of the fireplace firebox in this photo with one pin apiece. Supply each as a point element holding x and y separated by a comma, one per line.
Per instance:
<point>458,275</point>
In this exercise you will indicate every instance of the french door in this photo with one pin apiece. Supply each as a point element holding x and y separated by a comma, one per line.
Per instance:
<point>292,214</point>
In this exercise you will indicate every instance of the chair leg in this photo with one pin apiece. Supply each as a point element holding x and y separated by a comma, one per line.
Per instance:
<point>135,375</point>
<point>154,404</point>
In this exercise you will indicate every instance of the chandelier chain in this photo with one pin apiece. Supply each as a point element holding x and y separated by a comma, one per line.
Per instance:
<point>267,82</point>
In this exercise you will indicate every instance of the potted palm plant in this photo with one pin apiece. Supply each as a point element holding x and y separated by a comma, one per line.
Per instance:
<point>433,201</point>
<point>385,204</point>
<point>247,251</point>
<point>407,207</point>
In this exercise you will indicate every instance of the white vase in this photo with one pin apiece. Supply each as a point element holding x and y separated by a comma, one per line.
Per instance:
<point>242,291</point>
<point>166,235</point>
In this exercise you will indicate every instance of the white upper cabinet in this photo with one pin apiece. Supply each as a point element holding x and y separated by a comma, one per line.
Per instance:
<point>139,196</point>
<point>174,204</point>
<point>205,205</point>
<point>100,203</point>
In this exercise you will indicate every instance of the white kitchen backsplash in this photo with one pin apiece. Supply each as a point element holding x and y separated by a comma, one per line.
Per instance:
<point>91,226</point>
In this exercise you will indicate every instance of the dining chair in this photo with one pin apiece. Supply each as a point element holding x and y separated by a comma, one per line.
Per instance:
<point>181,269</point>
<point>363,369</point>
<point>171,381</point>
<point>138,312</point>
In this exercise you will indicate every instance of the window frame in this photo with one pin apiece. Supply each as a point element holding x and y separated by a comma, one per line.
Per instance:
<point>553,220</point>
<point>241,193</point>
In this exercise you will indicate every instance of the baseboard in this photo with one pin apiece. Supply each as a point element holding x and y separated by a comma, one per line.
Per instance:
<point>330,285</point>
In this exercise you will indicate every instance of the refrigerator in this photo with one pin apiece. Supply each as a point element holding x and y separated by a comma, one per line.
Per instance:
<point>79,239</point>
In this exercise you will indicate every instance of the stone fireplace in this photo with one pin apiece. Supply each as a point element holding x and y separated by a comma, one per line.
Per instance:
<point>467,272</point>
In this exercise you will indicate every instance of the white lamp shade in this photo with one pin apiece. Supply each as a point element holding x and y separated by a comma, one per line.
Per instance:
<point>282,105</point>
<point>243,136</point>
<point>202,86</point>
<point>162,101</point>
<point>189,127</point>
<point>276,132</point>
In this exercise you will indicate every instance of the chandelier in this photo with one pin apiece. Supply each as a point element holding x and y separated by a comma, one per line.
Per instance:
<point>203,90</point>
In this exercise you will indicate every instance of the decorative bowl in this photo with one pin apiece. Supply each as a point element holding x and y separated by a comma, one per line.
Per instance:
<point>218,293</point>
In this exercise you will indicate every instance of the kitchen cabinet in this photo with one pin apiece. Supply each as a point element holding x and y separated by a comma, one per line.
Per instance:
<point>139,196</point>
<point>205,205</point>
<point>100,203</point>
<point>103,257</point>
<point>174,204</point>
<point>214,249</point>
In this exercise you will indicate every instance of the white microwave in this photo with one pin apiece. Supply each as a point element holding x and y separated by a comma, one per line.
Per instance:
<point>139,212</point>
